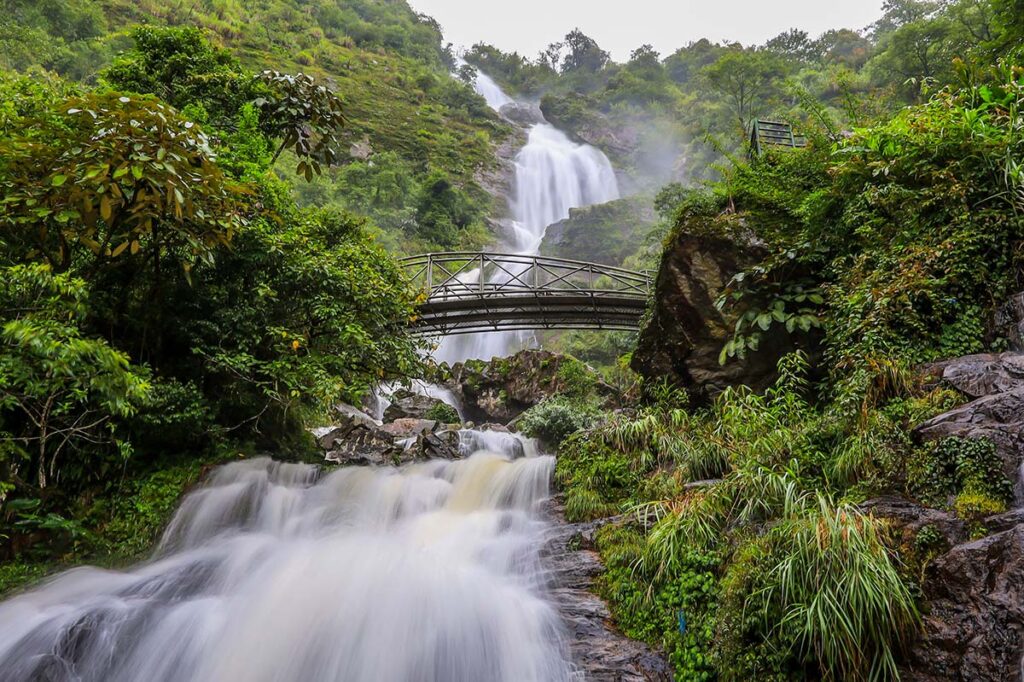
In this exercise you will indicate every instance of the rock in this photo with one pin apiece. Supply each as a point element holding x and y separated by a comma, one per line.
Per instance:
<point>685,333</point>
<point>440,445</point>
<point>974,627</point>
<point>523,113</point>
<point>604,233</point>
<point>360,445</point>
<point>406,404</point>
<point>909,517</point>
<point>998,417</point>
<point>977,376</point>
<point>1009,321</point>
<point>602,653</point>
<point>349,414</point>
<point>409,427</point>
<point>503,388</point>
<point>587,125</point>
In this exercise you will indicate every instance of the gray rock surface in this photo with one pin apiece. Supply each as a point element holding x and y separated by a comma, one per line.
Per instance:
<point>600,651</point>
<point>974,626</point>
<point>503,388</point>
<point>406,405</point>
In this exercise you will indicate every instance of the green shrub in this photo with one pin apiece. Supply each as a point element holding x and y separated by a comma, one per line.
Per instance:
<point>443,412</point>
<point>555,419</point>
<point>958,465</point>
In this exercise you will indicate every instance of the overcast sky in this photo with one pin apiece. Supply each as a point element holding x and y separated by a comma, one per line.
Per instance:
<point>527,26</point>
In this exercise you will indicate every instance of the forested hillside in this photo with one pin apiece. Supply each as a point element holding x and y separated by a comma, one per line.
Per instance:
<point>806,464</point>
<point>428,134</point>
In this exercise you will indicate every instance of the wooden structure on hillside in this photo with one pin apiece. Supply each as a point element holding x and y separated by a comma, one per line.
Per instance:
<point>766,134</point>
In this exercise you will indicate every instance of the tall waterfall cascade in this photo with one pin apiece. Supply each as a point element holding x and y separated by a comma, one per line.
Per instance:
<point>274,572</point>
<point>552,175</point>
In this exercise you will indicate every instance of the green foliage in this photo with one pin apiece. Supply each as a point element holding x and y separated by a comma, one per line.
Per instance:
<point>181,67</point>
<point>444,413</point>
<point>653,612</point>
<point>59,388</point>
<point>555,419</point>
<point>304,116</point>
<point>957,466</point>
<point>783,582</point>
<point>443,211</point>
<point>113,176</point>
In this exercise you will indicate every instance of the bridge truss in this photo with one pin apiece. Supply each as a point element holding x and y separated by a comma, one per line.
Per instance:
<point>467,292</point>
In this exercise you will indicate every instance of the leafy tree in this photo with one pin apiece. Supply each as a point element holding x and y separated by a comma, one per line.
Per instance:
<point>583,54</point>
<point>59,388</point>
<point>748,81</point>
<point>442,210</point>
<point>794,44</point>
<point>303,116</point>
<point>116,177</point>
<point>181,67</point>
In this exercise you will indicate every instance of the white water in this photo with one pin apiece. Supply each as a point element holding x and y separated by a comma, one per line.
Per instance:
<point>272,573</point>
<point>552,175</point>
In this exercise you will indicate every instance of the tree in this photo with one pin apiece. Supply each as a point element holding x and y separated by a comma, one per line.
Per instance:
<point>748,80</point>
<point>843,46</point>
<point>918,51</point>
<point>583,54</point>
<point>58,387</point>
<point>117,177</point>
<point>303,116</point>
<point>683,64</point>
<point>181,67</point>
<point>897,13</point>
<point>794,44</point>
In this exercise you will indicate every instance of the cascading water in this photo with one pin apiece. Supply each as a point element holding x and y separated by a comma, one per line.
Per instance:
<point>274,573</point>
<point>552,175</point>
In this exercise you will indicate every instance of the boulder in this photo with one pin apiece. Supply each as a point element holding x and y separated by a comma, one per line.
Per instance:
<point>523,113</point>
<point>434,445</point>
<point>999,417</point>
<point>360,445</point>
<point>973,629</point>
<point>908,518</point>
<point>685,332</point>
<point>409,427</point>
<point>503,388</point>
<point>406,405</point>
<point>1009,322</point>
<point>977,376</point>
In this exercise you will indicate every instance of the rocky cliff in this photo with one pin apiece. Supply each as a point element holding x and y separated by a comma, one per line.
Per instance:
<point>684,332</point>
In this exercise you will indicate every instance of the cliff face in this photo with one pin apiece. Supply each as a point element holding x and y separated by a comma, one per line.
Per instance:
<point>685,332</point>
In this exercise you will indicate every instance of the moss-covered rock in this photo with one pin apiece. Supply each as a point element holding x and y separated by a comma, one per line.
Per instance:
<point>606,233</point>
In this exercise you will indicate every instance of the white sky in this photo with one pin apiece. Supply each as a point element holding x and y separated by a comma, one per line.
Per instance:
<point>619,26</point>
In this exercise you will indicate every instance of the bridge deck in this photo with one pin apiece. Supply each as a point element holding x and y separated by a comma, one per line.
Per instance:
<point>472,292</point>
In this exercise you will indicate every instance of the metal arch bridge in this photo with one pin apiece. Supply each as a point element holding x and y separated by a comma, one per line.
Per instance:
<point>466,292</point>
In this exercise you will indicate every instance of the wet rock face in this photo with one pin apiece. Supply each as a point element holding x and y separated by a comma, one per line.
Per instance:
<point>359,440</point>
<point>409,405</point>
<point>686,332</point>
<point>973,622</point>
<point>996,384</point>
<point>974,627</point>
<point>605,233</point>
<point>980,375</point>
<point>601,652</point>
<point>502,389</point>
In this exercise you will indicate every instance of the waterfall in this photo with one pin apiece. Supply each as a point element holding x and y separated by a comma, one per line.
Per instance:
<point>275,572</point>
<point>552,175</point>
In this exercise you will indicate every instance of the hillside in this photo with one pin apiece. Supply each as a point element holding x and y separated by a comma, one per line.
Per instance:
<point>409,124</point>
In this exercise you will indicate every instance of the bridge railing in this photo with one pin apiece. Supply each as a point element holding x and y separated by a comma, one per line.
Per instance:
<point>473,275</point>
